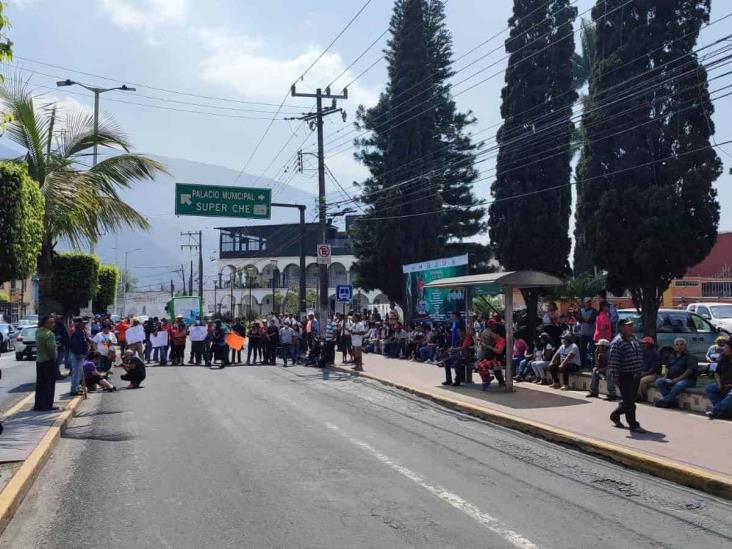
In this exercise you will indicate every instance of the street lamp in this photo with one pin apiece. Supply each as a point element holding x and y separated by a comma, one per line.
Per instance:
<point>273,262</point>
<point>97,92</point>
<point>124,284</point>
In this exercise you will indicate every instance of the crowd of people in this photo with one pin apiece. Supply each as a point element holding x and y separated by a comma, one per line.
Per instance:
<point>594,339</point>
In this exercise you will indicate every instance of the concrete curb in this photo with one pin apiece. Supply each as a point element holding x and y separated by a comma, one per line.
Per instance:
<point>686,475</point>
<point>18,486</point>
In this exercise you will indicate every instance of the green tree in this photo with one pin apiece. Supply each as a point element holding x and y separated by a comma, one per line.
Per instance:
<point>21,222</point>
<point>420,159</point>
<point>109,276</point>
<point>529,217</point>
<point>75,280</point>
<point>648,206</point>
<point>80,202</point>
<point>6,51</point>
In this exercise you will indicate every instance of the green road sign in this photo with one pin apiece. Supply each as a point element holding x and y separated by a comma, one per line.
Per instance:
<point>218,201</point>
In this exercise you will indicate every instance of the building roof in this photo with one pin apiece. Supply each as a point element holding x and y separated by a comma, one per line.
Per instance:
<point>718,263</point>
<point>515,279</point>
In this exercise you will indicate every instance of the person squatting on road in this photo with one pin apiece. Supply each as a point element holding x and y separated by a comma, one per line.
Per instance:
<point>93,376</point>
<point>134,370</point>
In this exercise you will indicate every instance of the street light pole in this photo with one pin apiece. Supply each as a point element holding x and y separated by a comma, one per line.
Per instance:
<point>97,92</point>
<point>273,262</point>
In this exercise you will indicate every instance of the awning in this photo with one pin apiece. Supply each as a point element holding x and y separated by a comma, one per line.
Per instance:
<point>514,279</point>
<point>496,283</point>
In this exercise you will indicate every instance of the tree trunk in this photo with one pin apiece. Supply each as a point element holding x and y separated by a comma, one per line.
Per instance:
<point>46,303</point>
<point>531,297</point>
<point>650,304</point>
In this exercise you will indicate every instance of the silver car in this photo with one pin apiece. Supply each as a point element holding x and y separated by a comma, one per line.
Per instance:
<point>25,344</point>
<point>8,333</point>
<point>672,323</point>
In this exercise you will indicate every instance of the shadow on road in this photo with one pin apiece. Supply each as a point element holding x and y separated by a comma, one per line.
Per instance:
<point>23,388</point>
<point>86,433</point>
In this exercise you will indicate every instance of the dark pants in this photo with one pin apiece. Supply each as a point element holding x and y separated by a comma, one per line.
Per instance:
<point>628,384</point>
<point>134,376</point>
<point>556,369</point>
<point>236,356</point>
<point>330,352</point>
<point>46,373</point>
<point>198,349</point>
<point>587,349</point>
<point>252,349</point>
<point>454,362</point>
<point>270,355</point>
<point>178,352</point>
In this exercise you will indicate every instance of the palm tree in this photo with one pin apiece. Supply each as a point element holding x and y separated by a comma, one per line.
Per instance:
<point>82,202</point>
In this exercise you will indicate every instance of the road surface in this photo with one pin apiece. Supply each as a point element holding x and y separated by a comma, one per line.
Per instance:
<point>278,458</point>
<point>18,379</point>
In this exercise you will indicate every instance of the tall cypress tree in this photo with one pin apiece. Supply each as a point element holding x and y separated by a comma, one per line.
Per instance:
<point>648,207</point>
<point>529,217</point>
<point>429,148</point>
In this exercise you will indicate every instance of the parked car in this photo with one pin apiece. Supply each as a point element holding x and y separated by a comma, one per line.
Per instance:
<point>719,314</point>
<point>8,333</point>
<point>25,344</point>
<point>698,332</point>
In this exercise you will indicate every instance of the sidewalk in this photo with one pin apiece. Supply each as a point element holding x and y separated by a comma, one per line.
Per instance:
<point>680,446</point>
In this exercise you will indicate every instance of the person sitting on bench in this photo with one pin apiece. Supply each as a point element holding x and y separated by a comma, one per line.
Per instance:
<point>458,359</point>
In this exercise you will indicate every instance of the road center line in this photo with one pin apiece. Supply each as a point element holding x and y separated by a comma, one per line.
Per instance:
<point>490,522</point>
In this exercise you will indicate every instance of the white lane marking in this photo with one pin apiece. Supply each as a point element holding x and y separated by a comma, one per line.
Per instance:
<point>490,522</point>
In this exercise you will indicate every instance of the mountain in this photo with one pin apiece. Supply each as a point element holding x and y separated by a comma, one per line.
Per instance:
<point>160,248</point>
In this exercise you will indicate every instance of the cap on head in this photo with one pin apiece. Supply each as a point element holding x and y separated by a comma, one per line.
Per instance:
<point>679,340</point>
<point>603,343</point>
<point>587,300</point>
<point>721,340</point>
<point>129,352</point>
<point>625,322</point>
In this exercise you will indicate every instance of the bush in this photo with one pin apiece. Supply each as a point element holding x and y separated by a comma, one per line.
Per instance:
<point>75,280</point>
<point>109,276</point>
<point>21,222</point>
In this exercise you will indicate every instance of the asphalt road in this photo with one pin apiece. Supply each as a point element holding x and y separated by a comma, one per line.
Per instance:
<point>18,379</point>
<point>271,457</point>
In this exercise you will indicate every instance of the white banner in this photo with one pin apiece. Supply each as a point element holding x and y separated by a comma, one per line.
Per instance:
<point>160,339</point>
<point>198,333</point>
<point>135,334</point>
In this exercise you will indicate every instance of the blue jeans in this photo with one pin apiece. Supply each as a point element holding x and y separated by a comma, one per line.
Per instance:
<point>671,391</point>
<point>426,353</point>
<point>77,361</point>
<point>104,364</point>
<point>160,354</point>
<point>595,382</point>
<point>148,350</point>
<point>524,368</point>
<point>721,405</point>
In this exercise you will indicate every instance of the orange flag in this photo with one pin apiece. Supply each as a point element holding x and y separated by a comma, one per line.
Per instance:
<point>235,341</point>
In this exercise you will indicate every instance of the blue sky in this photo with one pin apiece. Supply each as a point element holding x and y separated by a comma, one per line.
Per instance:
<point>251,51</point>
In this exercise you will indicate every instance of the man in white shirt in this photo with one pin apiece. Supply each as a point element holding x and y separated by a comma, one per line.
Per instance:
<point>103,342</point>
<point>357,332</point>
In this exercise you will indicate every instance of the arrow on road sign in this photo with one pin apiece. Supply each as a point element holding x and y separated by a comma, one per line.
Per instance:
<point>185,199</point>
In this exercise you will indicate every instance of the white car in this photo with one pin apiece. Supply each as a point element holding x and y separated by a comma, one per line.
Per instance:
<point>25,344</point>
<point>719,314</point>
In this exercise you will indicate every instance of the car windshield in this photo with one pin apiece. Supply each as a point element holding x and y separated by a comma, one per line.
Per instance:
<point>29,332</point>
<point>722,311</point>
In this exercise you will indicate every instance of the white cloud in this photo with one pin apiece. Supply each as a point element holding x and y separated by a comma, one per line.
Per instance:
<point>146,15</point>
<point>238,62</point>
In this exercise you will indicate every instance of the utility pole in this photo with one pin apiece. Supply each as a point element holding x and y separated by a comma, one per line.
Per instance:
<point>316,123</point>
<point>190,279</point>
<point>301,292</point>
<point>192,245</point>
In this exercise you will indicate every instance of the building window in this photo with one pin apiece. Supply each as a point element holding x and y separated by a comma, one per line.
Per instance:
<point>717,289</point>
<point>686,283</point>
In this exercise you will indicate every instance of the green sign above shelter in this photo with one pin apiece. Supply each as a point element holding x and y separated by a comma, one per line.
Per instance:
<point>219,201</point>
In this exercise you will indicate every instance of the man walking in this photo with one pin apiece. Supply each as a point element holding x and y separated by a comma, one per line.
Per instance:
<point>46,370</point>
<point>625,365</point>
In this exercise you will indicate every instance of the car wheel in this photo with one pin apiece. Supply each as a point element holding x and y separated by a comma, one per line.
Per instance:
<point>18,356</point>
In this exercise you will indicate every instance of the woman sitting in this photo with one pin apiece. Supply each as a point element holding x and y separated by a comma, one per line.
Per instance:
<point>93,377</point>
<point>134,370</point>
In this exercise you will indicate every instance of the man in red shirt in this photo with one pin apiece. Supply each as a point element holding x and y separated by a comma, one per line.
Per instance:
<point>121,329</point>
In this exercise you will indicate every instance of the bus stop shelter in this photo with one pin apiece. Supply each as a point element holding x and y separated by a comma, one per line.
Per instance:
<point>494,284</point>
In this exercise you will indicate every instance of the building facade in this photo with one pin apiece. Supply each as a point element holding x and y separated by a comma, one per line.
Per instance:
<point>259,270</point>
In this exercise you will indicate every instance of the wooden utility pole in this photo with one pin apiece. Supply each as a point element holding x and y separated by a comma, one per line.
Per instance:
<point>316,123</point>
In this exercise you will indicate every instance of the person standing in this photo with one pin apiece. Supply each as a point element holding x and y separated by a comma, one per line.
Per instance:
<point>625,365</point>
<point>103,342</point>
<point>239,329</point>
<point>46,370</point>
<point>179,334</point>
<point>121,330</point>
<point>357,332</point>
<point>720,392</point>
<point>272,341</point>
<point>78,350</point>
<point>586,317</point>
<point>253,341</point>
<point>603,324</point>
<point>62,343</point>
<point>286,342</point>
